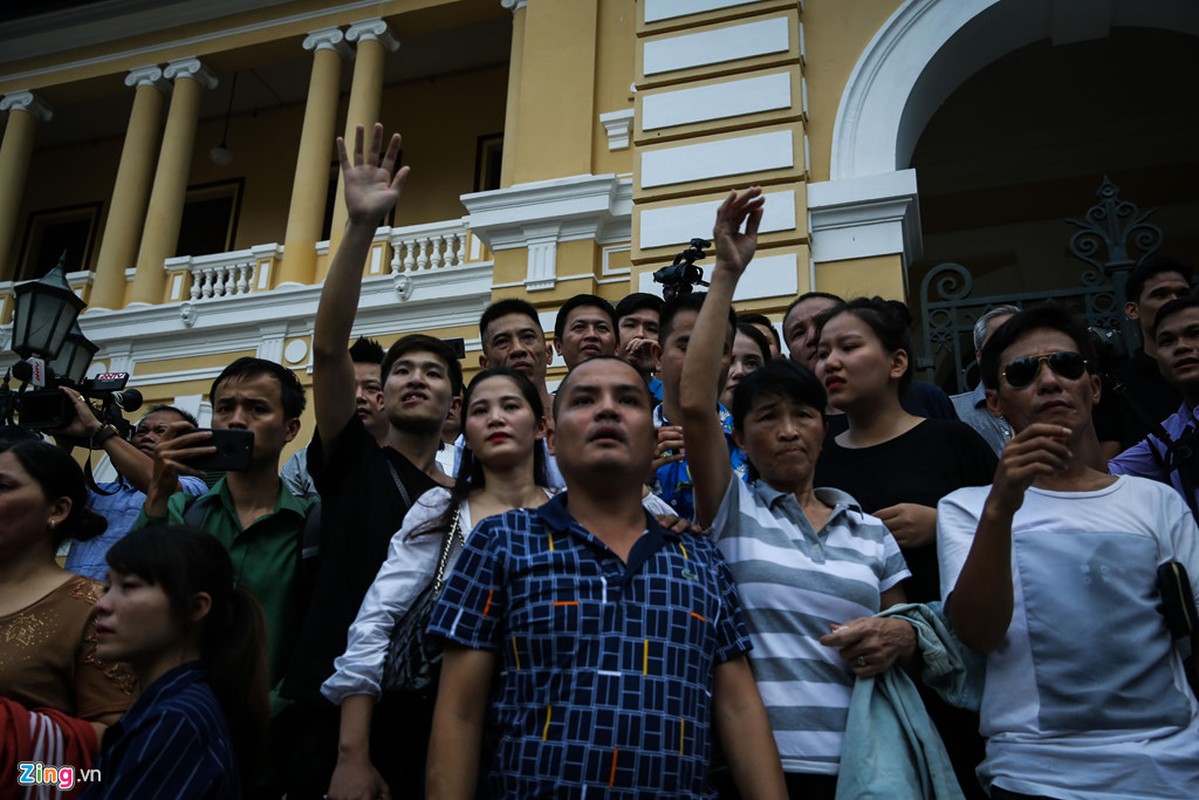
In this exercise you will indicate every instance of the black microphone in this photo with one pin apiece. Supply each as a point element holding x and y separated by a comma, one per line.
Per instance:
<point>22,371</point>
<point>128,400</point>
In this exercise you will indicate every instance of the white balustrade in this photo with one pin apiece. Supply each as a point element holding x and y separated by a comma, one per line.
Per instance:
<point>218,275</point>
<point>428,248</point>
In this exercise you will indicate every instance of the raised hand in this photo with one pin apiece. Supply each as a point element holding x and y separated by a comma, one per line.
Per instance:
<point>1038,450</point>
<point>371,188</point>
<point>735,248</point>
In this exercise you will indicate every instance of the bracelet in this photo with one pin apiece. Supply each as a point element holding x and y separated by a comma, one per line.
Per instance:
<point>102,435</point>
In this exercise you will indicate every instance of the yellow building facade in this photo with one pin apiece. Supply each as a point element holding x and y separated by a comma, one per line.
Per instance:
<point>182,153</point>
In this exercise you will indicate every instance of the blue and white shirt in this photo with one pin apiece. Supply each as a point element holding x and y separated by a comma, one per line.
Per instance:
<point>606,667</point>
<point>673,483</point>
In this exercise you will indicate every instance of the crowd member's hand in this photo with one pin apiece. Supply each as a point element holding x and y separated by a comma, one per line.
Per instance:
<point>639,350</point>
<point>912,524</point>
<point>673,522</point>
<point>178,445</point>
<point>83,424</point>
<point>870,645</point>
<point>669,447</point>
<point>1040,449</point>
<point>735,249</point>
<point>371,190</point>
<point>357,779</point>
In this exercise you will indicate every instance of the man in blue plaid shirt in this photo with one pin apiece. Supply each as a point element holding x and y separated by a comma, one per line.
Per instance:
<point>619,643</point>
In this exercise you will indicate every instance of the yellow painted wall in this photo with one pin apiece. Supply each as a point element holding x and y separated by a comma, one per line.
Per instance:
<point>878,275</point>
<point>616,52</point>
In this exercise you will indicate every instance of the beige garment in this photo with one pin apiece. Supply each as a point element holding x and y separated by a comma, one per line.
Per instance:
<point>48,656</point>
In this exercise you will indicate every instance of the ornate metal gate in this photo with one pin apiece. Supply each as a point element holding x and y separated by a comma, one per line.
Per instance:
<point>1112,228</point>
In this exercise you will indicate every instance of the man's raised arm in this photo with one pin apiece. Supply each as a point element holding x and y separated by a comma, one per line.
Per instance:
<point>371,190</point>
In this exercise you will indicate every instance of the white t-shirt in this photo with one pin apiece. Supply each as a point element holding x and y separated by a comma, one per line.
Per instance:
<point>1086,696</point>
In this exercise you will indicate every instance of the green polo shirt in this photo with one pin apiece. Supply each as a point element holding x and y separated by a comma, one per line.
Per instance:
<point>265,558</point>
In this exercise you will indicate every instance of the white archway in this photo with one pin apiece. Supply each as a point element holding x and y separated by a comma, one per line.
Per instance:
<point>923,52</point>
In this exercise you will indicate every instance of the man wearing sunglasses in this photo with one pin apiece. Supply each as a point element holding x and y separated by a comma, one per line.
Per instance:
<point>1052,573</point>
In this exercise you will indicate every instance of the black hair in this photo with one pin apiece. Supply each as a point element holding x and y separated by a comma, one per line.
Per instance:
<point>582,301</point>
<point>366,351</point>
<point>186,416</point>
<point>58,475</point>
<point>502,308</point>
<point>680,303</point>
<point>758,338</point>
<point>1148,268</point>
<point>762,319</point>
<point>561,392</point>
<point>1173,307</point>
<point>415,342</point>
<point>470,471</point>
<point>808,296</point>
<point>780,378</point>
<point>184,561</point>
<point>890,320</point>
<point>638,301</point>
<point>1050,315</point>
<point>291,393</point>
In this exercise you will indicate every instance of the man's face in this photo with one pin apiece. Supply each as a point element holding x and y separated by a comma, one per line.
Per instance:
<point>151,428</point>
<point>1178,350</point>
<point>1048,397</point>
<point>417,393</point>
<point>1159,289</point>
<point>368,397</point>
<point>799,330</point>
<point>604,422</point>
<point>674,350</point>
<point>638,332</point>
<point>516,341</point>
<point>768,332</point>
<point>588,333</point>
<point>255,404</point>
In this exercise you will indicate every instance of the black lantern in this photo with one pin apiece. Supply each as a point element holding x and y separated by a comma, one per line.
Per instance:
<point>74,357</point>
<point>45,311</point>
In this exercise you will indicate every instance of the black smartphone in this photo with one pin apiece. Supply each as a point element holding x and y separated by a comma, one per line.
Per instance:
<point>234,446</point>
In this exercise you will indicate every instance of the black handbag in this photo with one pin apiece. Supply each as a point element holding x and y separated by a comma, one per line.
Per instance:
<point>413,662</point>
<point>1178,602</point>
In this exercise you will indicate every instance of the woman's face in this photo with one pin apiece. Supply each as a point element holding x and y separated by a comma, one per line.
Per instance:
<point>747,357</point>
<point>782,439</point>
<point>26,516</point>
<point>500,426</point>
<point>134,622</point>
<point>853,364</point>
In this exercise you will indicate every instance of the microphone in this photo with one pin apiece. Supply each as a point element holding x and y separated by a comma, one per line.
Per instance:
<point>128,400</point>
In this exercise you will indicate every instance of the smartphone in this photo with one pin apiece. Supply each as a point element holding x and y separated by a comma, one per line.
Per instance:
<point>234,447</point>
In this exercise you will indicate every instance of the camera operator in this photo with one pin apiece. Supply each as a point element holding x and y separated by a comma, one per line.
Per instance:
<point>1124,415</point>
<point>120,501</point>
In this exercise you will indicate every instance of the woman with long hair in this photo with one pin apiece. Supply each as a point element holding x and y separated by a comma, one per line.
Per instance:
<point>197,643</point>
<point>48,655</point>
<point>810,567</point>
<point>502,468</point>
<point>898,466</point>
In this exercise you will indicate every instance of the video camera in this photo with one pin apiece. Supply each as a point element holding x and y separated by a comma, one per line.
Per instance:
<point>682,276</point>
<point>50,408</point>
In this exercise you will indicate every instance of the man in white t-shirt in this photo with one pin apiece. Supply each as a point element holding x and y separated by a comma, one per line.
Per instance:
<point>1051,572</point>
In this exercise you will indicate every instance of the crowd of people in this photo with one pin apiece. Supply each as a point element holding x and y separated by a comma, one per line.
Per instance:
<point>714,559</point>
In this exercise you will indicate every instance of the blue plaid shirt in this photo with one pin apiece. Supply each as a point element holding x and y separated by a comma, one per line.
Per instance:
<point>672,482</point>
<point>605,687</point>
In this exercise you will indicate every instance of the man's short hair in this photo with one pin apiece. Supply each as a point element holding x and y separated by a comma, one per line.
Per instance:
<point>170,410</point>
<point>1050,315</point>
<point>980,327</point>
<point>809,296</point>
<point>502,308</point>
<point>419,342</point>
<point>638,301</point>
<point>693,301</point>
<point>366,351</point>
<point>561,391</point>
<point>1147,269</point>
<point>582,301</point>
<point>291,393</point>
<point>763,320</point>
<point>1173,307</point>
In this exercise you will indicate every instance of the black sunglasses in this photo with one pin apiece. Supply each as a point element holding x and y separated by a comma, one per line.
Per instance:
<point>1066,363</point>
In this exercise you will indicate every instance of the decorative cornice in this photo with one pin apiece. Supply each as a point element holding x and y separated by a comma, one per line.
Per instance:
<point>191,68</point>
<point>863,217</point>
<point>329,39</point>
<point>146,76</point>
<point>514,5</point>
<point>373,30</point>
<point>29,103</point>
<point>618,124</point>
